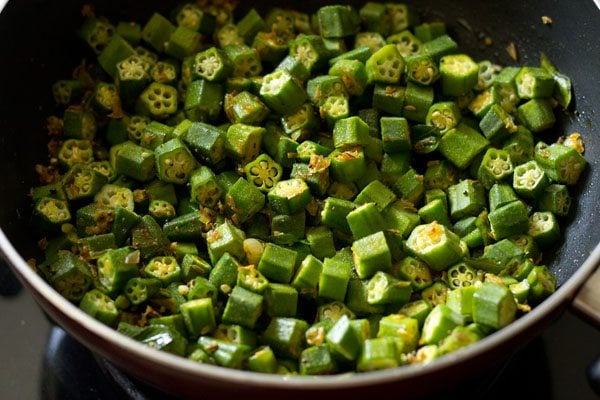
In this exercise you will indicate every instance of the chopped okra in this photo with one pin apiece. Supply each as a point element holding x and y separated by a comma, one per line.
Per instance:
<point>297,206</point>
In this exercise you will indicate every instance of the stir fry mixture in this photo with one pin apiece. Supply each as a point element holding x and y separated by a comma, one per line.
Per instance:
<point>302,194</point>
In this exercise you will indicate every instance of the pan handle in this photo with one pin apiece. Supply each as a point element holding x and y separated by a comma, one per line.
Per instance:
<point>587,301</point>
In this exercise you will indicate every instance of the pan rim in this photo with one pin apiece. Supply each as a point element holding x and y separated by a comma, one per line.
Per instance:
<point>59,308</point>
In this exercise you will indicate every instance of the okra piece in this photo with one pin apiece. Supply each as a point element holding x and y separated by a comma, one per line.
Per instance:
<point>494,306</point>
<point>307,276</point>
<point>466,198</point>
<point>375,17</point>
<point>422,70</point>
<point>226,354</point>
<point>334,279</point>
<point>349,132</point>
<point>389,98</point>
<point>203,100</point>
<point>243,308</point>
<point>439,175</point>
<point>428,31</point>
<point>277,263</point>
<point>497,124</point>
<point>377,354</point>
<point>385,66</point>
<point>79,123</point>
<point>317,360</point>
<point>561,163</point>
<point>509,220</point>
<point>343,340</point>
<point>288,229</point>
<point>204,188</point>
<point>82,181</point>
<point>132,160</point>
<point>435,210</point>
<point>286,336</point>
<point>556,199</point>
<point>251,279</point>
<point>115,51</point>
<point>534,83</point>
<point>174,162</point>
<point>536,115</point>
<point>365,220</point>
<point>242,141</point>
<point>348,165</point>
<point>403,329</point>
<point>164,268</point>
<point>115,268</point>
<point>70,276</point>
<point>436,245</point>
<point>353,74</point>
<point>562,83</point>
<point>439,324</point>
<point>245,108</point>
<point>132,76</point>
<point>52,212</point>
<point>225,238</point>
<point>337,21</point>
<point>201,288</point>
<point>158,101</point>
<point>140,290</point>
<point>154,134</point>
<point>245,60</point>
<point>418,309</point>
<point>495,166</point>
<point>281,300</point>
<point>529,179</point>
<point>74,151</point>
<point>263,360</point>
<point>289,196</point>
<point>440,46</point>
<point>458,74</point>
<point>320,240</point>
<point>94,220</point>
<point>100,306</point>
<point>408,45</point>
<point>206,141</point>
<point>243,200</point>
<point>385,289</point>
<point>183,42</point>
<point>334,213</point>
<point>413,270</point>
<point>371,254</point>
<point>461,145</point>
<point>224,274</point>
<point>157,31</point>
<point>544,228</point>
<point>542,283</point>
<point>460,337</point>
<point>92,247</point>
<point>97,33</point>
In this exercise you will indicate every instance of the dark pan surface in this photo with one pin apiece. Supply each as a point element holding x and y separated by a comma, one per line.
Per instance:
<point>39,46</point>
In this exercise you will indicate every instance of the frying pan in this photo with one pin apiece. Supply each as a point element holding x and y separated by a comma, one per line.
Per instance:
<point>39,46</point>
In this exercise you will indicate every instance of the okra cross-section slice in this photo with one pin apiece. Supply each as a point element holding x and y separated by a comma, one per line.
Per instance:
<point>132,75</point>
<point>54,212</point>
<point>353,74</point>
<point>113,196</point>
<point>529,179</point>
<point>556,199</point>
<point>385,289</point>
<point>544,228</point>
<point>495,166</point>
<point>97,33</point>
<point>289,196</point>
<point>245,108</point>
<point>116,267</point>
<point>386,65</point>
<point>494,305</point>
<point>174,162</point>
<point>282,93</point>
<point>204,187</point>
<point>422,69</point>
<point>82,181</point>
<point>436,245</point>
<point>164,268</point>
<point>458,74</point>
<point>242,141</point>
<point>562,163</point>
<point>444,115</point>
<point>408,44</point>
<point>158,101</point>
<point>263,172</point>
<point>100,306</point>
<point>212,65</point>
<point>74,151</point>
<point>534,82</point>
<point>310,51</point>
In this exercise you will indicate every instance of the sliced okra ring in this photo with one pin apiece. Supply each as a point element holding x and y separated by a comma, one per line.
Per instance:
<point>407,43</point>
<point>112,196</point>
<point>263,172</point>
<point>158,100</point>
